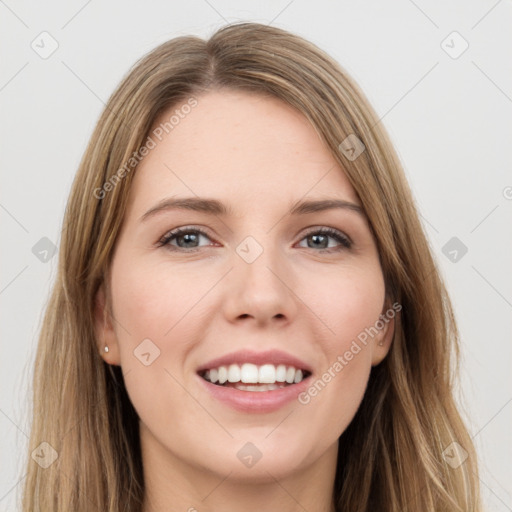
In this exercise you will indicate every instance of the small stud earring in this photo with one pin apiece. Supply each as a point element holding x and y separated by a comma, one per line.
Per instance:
<point>381,343</point>
<point>106,348</point>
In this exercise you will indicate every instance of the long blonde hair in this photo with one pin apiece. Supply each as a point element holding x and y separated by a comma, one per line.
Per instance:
<point>392,457</point>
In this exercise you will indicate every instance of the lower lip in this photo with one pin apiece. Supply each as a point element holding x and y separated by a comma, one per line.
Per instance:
<point>256,401</point>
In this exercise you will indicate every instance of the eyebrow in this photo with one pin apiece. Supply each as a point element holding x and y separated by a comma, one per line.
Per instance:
<point>215,207</point>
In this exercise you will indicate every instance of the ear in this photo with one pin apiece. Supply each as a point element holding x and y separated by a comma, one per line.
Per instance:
<point>383,340</point>
<point>104,330</point>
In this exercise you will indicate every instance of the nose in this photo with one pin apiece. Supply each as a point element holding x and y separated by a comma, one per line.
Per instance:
<point>260,292</point>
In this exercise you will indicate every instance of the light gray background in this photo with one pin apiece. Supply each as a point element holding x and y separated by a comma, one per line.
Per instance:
<point>450,119</point>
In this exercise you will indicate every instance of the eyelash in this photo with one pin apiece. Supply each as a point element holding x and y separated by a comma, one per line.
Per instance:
<point>333,233</point>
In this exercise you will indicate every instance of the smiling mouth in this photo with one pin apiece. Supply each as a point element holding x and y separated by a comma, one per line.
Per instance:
<point>251,377</point>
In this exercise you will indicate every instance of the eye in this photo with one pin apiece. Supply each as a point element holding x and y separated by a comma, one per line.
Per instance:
<point>186,238</point>
<point>320,240</point>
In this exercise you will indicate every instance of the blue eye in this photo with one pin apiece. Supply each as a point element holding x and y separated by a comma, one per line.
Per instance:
<point>188,236</point>
<point>320,237</point>
<point>187,239</point>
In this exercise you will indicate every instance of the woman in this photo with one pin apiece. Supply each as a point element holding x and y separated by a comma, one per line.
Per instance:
<point>247,314</point>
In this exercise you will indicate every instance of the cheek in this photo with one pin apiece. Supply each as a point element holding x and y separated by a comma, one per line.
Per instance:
<point>139,304</point>
<point>147,307</point>
<point>153,302</point>
<point>347,301</point>
<point>349,304</point>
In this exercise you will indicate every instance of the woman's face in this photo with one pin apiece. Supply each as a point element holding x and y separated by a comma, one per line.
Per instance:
<point>251,281</point>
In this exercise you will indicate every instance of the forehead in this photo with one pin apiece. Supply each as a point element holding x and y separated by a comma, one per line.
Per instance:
<point>245,149</point>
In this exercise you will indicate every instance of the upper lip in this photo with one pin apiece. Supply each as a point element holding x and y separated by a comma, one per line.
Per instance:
<point>240,357</point>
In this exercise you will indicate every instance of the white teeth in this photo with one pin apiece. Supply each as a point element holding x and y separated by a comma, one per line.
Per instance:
<point>259,387</point>
<point>249,373</point>
<point>281,373</point>
<point>234,373</point>
<point>223,374</point>
<point>290,375</point>
<point>267,374</point>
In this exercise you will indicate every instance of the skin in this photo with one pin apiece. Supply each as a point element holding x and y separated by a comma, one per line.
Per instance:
<point>197,305</point>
